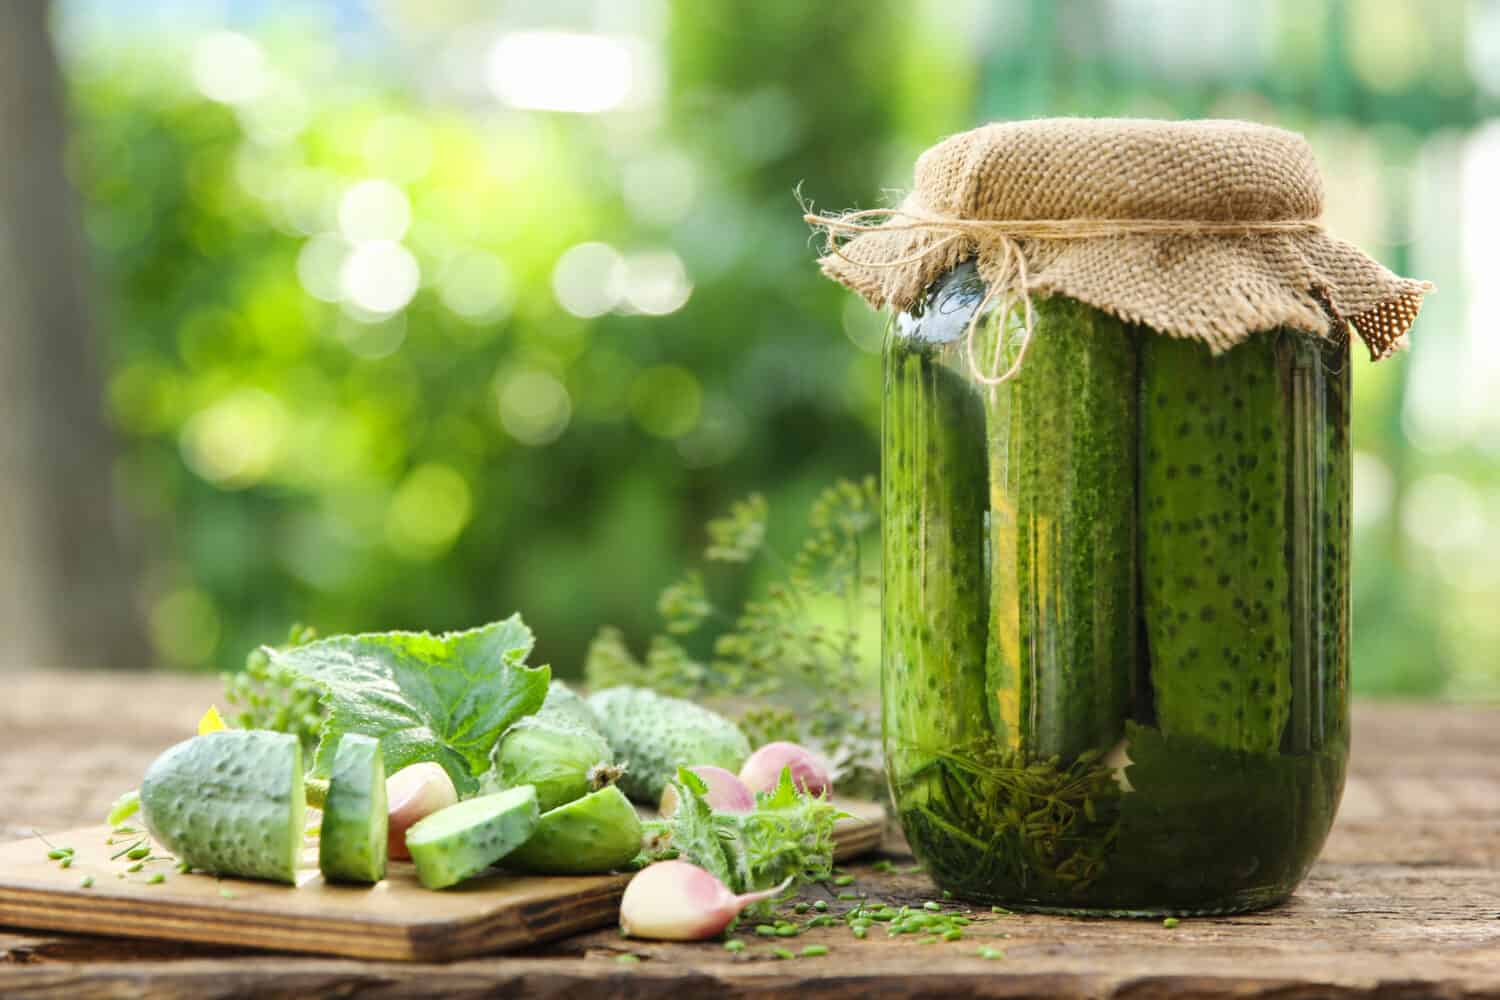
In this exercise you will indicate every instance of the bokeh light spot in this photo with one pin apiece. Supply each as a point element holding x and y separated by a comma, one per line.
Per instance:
<point>534,407</point>
<point>656,282</point>
<point>373,211</point>
<point>589,279</point>
<point>229,68</point>
<point>235,442</point>
<point>1373,489</point>
<point>380,278</point>
<point>560,71</point>
<point>319,263</point>
<point>185,627</point>
<point>428,511</point>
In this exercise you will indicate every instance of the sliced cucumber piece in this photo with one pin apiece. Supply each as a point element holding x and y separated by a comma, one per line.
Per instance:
<point>465,839</point>
<point>352,841</point>
<point>597,833</point>
<point>229,802</point>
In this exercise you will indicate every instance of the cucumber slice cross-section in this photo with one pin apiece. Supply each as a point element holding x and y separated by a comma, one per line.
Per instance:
<point>464,839</point>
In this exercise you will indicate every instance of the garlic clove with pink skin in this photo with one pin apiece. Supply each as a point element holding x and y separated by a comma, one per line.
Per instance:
<point>676,901</point>
<point>413,793</point>
<point>726,792</point>
<point>762,772</point>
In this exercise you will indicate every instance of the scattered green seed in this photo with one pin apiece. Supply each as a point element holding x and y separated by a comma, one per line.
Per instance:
<point>60,852</point>
<point>1001,909</point>
<point>820,905</point>
<point>883,865</point>
<point>814,951</point>
<point>913,869</point>
<point>765,930</point>
<point>932,905</point>
<point>846,896</point>
<point>87,882</point>
<point>125,830</point>
<point>1170,922</point>
<point>990,953</point>
<point>860,932</point>
<point>801,908</point>
<point>735,945</point>
<point>787,931</point>
<point>184,867</point>
<point>135,867</point>
<point>782,953</point>
<point>138,853</point>
<point>225,893</point>
<point>929,939</point>
<point>627,959</point>
<point>947,894</point>
<point>66,862</point>
<point>955,934</point>
<point>126,850</point>
<point>844,880</point>
<point>156,879</point>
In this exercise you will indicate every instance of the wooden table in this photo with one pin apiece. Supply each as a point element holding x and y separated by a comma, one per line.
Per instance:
<point>1405,902</point>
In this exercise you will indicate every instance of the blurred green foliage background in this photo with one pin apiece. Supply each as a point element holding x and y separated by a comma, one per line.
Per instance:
<point>418,313</point>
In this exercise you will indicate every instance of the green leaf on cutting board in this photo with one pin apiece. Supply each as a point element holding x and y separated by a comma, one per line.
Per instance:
<point>444,698</point>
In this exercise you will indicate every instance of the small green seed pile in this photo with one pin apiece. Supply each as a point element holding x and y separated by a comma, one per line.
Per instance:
<point>936,922</point>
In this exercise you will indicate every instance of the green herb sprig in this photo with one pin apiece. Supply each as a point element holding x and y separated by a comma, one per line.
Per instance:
<point>797,643</point>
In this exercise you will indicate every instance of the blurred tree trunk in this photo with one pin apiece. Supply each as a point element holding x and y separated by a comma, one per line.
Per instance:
<point>66,594</point>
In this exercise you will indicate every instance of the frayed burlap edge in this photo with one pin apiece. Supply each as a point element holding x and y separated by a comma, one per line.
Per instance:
<point>1216,289</point>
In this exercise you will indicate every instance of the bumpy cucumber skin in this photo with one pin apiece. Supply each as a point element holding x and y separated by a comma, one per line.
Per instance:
<point>1062,660</point>
<point>1333,548</point>
<point>552,754</point>
<point>653,736</point>
<point>563,702</point>
<point>557,750</point>
<point>230,802</point>
<point>1215,538</point>
<point>934,496</point>
<point>463,840</point>
<point>352,839</point>
<point>597,833</point>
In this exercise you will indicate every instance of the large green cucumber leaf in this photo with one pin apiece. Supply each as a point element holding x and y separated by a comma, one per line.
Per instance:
<point>444,698</point>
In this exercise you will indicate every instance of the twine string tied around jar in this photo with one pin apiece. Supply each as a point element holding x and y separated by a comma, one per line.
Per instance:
<point>999,245</point>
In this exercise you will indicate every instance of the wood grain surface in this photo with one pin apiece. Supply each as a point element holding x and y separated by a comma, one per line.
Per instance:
<point>396,919</point>
<point>1405,901</point>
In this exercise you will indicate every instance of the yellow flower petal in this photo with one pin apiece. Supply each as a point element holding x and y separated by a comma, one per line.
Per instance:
<point>211,722</point>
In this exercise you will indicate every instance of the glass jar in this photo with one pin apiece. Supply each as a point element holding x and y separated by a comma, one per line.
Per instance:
<point>1115,606</point>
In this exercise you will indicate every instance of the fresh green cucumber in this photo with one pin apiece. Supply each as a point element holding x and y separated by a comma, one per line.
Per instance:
<point>230,802</point>
<point>1061,660</point>
<point>934,504</point>
<point>1215,539</point>
<point>463,840</point>
<point>352,840</point>
<point>652,736</point>
<point>597,833</point>
<point>559,750</point>
<point>563,702</point>
<point>1333,553</point>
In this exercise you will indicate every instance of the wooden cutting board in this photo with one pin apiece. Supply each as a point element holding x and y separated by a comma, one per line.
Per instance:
<point>397,919</point>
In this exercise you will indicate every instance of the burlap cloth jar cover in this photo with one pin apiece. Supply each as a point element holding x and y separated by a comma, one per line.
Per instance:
<point>1199,229</point>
